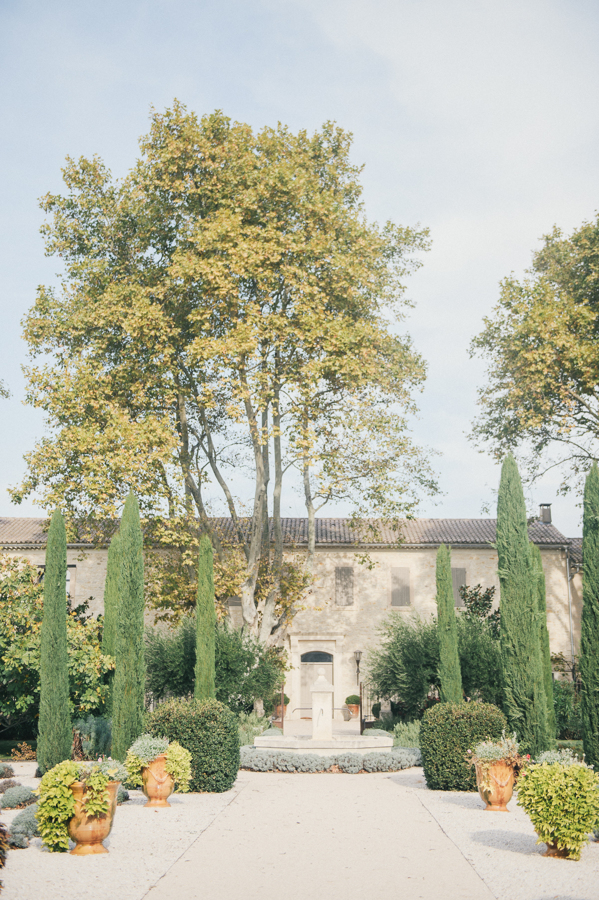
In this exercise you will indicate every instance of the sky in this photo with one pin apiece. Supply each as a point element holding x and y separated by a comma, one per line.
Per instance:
<point>475,119</point>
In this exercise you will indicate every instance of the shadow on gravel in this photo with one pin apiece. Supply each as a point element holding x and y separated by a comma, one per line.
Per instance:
<point>516,842</point>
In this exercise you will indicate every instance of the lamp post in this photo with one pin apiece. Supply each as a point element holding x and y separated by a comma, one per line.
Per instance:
<point>357,657</point>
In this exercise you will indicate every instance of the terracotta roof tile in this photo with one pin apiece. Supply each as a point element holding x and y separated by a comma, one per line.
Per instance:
<point>414,532</point>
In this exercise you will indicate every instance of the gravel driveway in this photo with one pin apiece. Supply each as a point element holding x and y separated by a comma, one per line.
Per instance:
<point>339,837</point>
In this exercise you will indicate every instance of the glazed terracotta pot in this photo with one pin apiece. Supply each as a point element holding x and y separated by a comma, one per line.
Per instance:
<point>89,831</point>
<point>158,785</point>
<point>497,788</point>
<point>354,709</point>
<point>278,710</point>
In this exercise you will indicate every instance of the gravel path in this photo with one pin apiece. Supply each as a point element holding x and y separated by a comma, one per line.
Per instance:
<point>322,836</point>
<point>502,847</point>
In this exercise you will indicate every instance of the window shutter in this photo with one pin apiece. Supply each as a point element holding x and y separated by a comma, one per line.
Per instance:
<point>458,580</point>
<point>344,585</point>
<point>400,587</point>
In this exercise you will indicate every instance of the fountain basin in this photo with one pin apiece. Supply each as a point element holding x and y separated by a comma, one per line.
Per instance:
<point>342,743</point>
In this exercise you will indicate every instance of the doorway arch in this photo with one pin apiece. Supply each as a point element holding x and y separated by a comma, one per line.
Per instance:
<point>310,663</point>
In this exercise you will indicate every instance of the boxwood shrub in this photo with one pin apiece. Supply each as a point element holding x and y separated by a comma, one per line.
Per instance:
<point>208,729</point>
<point>447,732</point>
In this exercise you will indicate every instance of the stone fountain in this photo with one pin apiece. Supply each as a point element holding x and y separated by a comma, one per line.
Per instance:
<point>324,742</point>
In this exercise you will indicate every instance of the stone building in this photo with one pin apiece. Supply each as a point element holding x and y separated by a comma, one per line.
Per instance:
<point>357,584</point>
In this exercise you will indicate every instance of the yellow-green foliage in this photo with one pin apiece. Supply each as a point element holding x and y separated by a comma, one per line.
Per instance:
<point>177,763</point>
<point>562,802</point>
<point>57,803</point>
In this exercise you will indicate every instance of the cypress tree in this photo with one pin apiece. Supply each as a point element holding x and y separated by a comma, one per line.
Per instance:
<point>450,675</point>
<point>111,601</point>
<point>525,704</point>
<point>589,632</point>
<point>544,640</point>
<point>205,624</point>
<point>130,670</point>
<point>55,735</point>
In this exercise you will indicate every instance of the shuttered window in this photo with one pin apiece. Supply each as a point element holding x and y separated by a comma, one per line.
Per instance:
<point>400,587</point>
<point>344,585</point>
<point>458,579</point>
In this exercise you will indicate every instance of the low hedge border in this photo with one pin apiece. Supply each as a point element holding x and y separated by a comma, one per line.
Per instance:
<point>259,760</point>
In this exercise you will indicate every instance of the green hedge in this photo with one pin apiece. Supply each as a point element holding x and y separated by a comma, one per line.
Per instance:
<point>447,732</point>
<point>208,729</point>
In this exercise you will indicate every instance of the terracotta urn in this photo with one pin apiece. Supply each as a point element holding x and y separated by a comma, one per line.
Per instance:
<point>278,710</point>
<point>354,709</point>
<point>555,851</point>
<point>495,785</point>
<point>158,785</point>
<point>88,832</point>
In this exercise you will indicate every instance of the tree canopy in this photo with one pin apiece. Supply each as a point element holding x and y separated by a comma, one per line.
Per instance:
<point>224,309</point>
<point>541,344</point>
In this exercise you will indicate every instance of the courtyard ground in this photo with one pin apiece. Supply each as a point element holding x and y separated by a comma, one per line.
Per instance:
<point>343,837</point>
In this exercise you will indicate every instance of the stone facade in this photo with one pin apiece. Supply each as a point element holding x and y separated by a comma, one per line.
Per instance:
<point>352,595</point>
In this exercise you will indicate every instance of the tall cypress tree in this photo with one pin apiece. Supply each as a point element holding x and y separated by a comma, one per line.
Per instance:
<point>130,670</point>
<point>525,704</point>
<point>544,639</point>
<point>450,675</point>
<point>589,632</point>
<point>55,735</point>
<point>205,623</point>
<point>111,603</point>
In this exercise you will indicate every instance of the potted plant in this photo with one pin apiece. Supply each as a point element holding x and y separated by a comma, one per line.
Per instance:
<point>78,799</point>
<point>277,704</point>
<point>560,794</point>
<point>496,764</point>
<point>353,704</point>
<point>159,766</point>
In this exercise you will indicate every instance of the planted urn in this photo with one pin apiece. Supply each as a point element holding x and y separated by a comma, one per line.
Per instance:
<point>78,800</point>
<point>496,764</point>
<point>353,704</point>
<point>560,794</point>
<point>160,767</point>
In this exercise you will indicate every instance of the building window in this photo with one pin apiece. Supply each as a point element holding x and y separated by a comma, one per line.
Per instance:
<point>458,580</point>
<point>400,587</point>
<point>71,579</point>
<point>344,585</point>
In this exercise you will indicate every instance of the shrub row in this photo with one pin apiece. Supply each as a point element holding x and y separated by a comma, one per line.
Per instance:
<point>447,732</point>
<point>208,729</point>
<point>259,760</point>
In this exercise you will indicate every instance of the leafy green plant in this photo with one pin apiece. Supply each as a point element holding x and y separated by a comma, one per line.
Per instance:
<point>447,732</point>
<point>208,729</point>
<point>56,803</point>
<point>24,827</point>
<point>17,797</point>
<point>245,670</point>
<point>3,847</point>
<point>562,801</point>
<point>276,700</point>
<point>407,734</point>
<point>250,725</point>
<point>21,610</point>
<point>353,700</point>
<point>147,748</point>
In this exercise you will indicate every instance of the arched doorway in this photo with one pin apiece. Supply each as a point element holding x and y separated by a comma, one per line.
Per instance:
<point>311,662</point>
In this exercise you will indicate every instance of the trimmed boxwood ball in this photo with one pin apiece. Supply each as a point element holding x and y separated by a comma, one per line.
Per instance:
<point>208,729</point>
<point>447,732</point>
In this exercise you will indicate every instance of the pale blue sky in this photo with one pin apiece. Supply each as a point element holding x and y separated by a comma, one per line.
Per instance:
<point>478,119</point>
